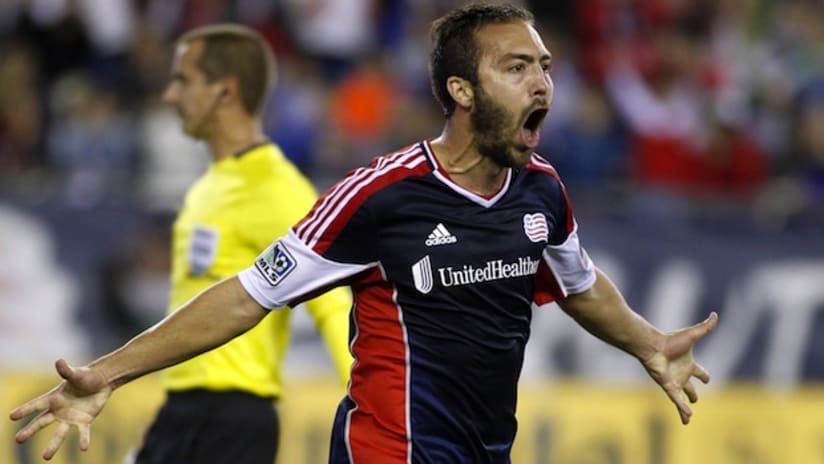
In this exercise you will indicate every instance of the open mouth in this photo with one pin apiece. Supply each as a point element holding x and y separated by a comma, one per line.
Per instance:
<point>531,130</point>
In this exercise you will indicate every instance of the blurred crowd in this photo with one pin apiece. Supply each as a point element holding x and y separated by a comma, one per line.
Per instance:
<point>676,104</point>
<point>671,110</point>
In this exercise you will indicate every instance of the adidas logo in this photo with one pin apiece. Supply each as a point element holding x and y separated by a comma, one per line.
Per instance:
<point>440,236</point>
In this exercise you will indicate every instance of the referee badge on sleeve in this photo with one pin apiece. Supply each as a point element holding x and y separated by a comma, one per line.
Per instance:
<point>275,263</point>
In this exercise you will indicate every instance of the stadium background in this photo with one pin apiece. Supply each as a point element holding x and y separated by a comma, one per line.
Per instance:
<point>690,135</point>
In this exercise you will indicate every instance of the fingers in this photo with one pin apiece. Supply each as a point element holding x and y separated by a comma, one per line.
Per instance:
<point>64,369</point>
<point>43,420</point>
<point>81,378</point>
<point>676,395</point>
<point>689,389</point>
<point>85,436</point>
<point>685,415</point>
<point>57,439</point>
<point>705,327</point>
<point>701,373</point>
<point>680,354</point>
<point>38,404</point>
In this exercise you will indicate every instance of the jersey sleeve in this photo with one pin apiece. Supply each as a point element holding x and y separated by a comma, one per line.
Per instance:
<point>288,272</point>
<point>329,246</point>
<point>565,267</point>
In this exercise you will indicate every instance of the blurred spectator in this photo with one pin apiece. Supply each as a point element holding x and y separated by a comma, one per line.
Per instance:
<point>21,116</point>
<point>201,12</point>
<point>335,32</point>
<point>57,34</point>
<point>170,160</point>
<point>361,107</point>
<point>363,102</point>
<point>111,24</point>
<point>663,112</point>
<point>589,148</point>
<point>92,140</point>
<point>147,63</point>
<point>161,16</point>
<point>810,155</point>
<point>796,197</point>
<point>37,296</point>
<point>135,280</point>
<point>582,136</point>
<point>296,110</point>
<point>731,163</point>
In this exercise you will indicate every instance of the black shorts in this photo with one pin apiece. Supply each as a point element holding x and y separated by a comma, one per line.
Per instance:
<point>205,427</point>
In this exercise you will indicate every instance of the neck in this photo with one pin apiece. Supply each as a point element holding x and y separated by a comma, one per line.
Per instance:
<point>456,152</point>
<point>231,138</point>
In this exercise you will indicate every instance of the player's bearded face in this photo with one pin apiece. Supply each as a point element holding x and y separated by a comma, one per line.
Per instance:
<point>496,130</point>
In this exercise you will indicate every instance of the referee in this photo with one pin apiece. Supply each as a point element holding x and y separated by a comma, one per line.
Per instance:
<point>220,406</point>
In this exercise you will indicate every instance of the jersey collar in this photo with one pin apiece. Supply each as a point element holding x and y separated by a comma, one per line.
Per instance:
<point>440,173</point>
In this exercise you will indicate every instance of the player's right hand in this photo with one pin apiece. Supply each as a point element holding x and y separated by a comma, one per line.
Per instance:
<point>75,402</point>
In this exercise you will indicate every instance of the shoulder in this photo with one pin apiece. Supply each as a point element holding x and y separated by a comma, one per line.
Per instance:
<point>384,171</point>
<point>410,159</point>
<point>539,164</point>
<point>542,170</point>
<point>350,205</point>
<point>268,171</point>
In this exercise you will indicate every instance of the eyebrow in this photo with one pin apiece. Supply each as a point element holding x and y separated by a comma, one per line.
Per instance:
<point>525,57</point>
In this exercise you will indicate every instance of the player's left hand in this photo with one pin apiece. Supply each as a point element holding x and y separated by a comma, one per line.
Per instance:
<point>674,366</point>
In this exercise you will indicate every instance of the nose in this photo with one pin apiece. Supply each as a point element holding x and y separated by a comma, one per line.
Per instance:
<point>170,94</point>
<point>540,82</point>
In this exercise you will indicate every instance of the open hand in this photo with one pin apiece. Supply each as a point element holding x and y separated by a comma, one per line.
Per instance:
<point>674,366</point>
<point>75,402</point>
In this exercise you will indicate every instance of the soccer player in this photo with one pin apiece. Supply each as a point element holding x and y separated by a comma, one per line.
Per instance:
<point>446,244</point>
<point>250,195</point>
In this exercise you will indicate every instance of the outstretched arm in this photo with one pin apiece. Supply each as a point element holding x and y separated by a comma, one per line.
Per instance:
<point>214,317</point>
<point>667,357</point>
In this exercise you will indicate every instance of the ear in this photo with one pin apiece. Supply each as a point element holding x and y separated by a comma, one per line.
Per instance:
<point>228,87</point>
<point>461,91</point>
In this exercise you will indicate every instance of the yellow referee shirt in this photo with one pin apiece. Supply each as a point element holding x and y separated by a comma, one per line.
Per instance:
<point>240,206</point>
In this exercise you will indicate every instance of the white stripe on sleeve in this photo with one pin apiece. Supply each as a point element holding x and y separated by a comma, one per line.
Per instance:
<point>571,265</point>
<point>288,270</point>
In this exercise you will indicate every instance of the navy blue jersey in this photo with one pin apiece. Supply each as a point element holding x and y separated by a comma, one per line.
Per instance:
<point>443,282</point>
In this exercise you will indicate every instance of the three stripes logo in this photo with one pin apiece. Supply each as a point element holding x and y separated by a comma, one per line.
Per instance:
<point>440,236</point>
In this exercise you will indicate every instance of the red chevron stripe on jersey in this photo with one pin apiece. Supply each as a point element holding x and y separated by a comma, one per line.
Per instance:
<point>333,210</point>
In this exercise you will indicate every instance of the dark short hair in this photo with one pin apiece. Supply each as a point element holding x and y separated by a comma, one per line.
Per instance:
<point>236,50</point>
<point>455,50</point>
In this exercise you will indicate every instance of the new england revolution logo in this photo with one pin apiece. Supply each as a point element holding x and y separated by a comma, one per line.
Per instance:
<point>275,263</point>
<point>535,227</point>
